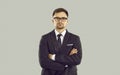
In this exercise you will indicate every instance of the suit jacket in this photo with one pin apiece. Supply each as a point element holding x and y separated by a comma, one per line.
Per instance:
<point>48,44</point>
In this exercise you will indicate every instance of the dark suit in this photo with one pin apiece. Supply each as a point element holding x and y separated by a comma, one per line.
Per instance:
<point>48,44</point>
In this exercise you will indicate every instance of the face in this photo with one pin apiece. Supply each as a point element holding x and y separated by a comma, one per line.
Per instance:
<point>60,20</point>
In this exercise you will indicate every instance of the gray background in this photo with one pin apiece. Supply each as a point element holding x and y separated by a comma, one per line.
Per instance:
<point>22,22</point>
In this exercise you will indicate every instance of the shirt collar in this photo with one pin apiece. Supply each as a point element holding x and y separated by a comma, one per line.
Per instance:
<point>63,33</point>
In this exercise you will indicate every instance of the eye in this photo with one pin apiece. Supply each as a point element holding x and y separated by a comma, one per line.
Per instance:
<point>57,19</point>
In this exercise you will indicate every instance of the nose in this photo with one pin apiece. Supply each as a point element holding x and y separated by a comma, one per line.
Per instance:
<point>60,20</point>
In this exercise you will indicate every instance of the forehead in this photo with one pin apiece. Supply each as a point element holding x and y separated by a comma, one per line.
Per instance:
<point>60,14</point>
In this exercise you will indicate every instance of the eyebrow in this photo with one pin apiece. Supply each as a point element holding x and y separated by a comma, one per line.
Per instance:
<point>60,17</point>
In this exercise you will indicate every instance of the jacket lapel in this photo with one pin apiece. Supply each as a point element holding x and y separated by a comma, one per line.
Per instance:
<point>54,40</point>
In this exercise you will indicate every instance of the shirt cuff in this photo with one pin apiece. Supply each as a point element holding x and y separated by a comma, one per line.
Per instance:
<point>66,65</point>
<point>53,57</point>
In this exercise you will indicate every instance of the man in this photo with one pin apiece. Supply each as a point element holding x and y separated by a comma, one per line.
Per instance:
<point>59,50</point>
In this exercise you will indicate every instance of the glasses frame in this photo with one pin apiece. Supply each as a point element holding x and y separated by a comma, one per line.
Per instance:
<point>63,19</point>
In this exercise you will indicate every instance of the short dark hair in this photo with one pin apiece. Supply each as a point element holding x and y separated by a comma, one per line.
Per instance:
<point>60,10</point>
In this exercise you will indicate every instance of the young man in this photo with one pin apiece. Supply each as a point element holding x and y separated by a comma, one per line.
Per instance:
<point>59,50</point>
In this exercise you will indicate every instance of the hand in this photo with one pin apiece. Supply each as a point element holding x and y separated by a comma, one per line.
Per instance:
<point>50,56</point>
<point>73,51</point>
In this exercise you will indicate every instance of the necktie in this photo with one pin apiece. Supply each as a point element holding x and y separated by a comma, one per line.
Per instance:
<point>59,40</point>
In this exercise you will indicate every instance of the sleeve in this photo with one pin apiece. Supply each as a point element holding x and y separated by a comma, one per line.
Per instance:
<point>74,59</point>
<point>44,61</point>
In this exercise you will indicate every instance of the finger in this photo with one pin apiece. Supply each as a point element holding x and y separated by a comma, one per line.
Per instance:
<point>74,49</point>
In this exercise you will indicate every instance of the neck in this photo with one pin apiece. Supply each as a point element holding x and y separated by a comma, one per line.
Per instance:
<point>60,30</point>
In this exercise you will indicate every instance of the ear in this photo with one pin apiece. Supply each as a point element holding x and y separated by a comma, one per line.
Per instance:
<point>52,21</point>
<point>67,21</point>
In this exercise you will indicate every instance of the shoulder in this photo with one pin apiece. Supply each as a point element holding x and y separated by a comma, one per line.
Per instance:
<point>47,34</point>
<point>73,35</point>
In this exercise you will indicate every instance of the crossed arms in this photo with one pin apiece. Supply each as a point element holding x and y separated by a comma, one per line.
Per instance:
<point>74,57</point>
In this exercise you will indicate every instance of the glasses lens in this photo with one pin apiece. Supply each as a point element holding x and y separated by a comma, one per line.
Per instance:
<point>58,18</point>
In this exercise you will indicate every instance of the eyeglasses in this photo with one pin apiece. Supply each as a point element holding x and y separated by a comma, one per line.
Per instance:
<point>63,19</point>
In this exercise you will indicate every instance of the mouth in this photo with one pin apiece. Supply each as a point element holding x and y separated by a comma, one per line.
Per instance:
<point>59,24</point>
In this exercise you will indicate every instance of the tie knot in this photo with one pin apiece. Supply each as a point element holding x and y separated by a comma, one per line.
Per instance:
<point>59,35</point>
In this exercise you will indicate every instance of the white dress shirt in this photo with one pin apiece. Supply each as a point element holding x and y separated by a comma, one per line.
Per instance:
<point>62,37</point>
